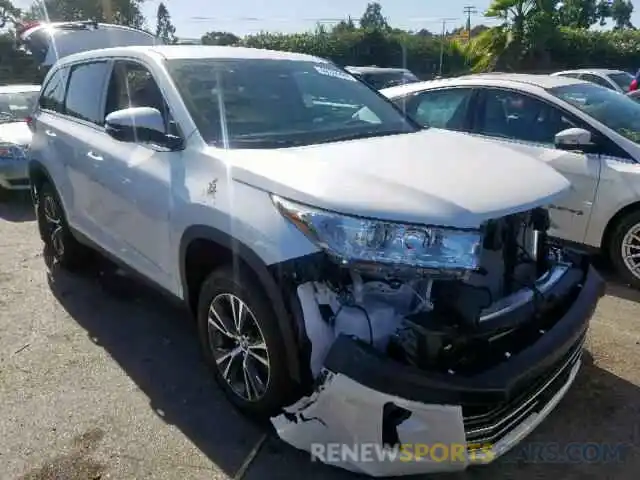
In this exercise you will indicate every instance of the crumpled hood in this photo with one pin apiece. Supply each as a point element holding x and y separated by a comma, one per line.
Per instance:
<point>17,133</point>
<point>431,177</point>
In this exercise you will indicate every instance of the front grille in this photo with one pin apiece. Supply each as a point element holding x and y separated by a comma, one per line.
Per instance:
<point>487,425</point>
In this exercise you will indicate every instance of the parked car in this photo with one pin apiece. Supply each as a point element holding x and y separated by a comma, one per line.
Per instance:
<point>380,78</point>
<point>48,42</point>
<point>16,104</point>
<point>616,80</point>
<point>588,133</point>
<point>330,258</point>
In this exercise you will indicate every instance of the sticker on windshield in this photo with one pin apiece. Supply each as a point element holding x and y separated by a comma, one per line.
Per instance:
<point>330,72</point>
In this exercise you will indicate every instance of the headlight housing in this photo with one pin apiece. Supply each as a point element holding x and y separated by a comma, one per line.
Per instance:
<point>11,151</point>
<point>387,248</point>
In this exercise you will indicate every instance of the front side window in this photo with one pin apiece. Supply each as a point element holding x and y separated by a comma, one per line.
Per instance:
<point>445,109</point>
<point>512,115</point>
<point>84,92</point>
<point>597,80</point>
<point>52,97</point>
<point>16,106</point>
<point>271,103</point>
<point>618,112</point>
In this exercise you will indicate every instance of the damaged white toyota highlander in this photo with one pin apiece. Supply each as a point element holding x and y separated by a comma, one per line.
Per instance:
<point>354,277</point>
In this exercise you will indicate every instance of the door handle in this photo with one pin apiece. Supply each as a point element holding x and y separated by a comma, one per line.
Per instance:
<point>50,133</point>
<point>95,156</point>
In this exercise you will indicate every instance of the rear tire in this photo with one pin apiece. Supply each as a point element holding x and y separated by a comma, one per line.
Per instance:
<point>624,249</point>
<point>60,244</point>
<point>242,343</point>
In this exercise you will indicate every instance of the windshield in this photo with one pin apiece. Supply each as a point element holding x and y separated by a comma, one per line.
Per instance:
<point>16,107</point>
<point>622,79</point>
<point>616,111</point>
<point>270,103</point>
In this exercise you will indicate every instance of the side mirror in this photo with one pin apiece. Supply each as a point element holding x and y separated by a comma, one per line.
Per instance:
<point>575,140</point>
<point>139,124</point>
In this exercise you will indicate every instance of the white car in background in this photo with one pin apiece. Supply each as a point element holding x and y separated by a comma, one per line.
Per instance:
<point>588,133</point>
<point>16,104</point>
<point>617,80</point>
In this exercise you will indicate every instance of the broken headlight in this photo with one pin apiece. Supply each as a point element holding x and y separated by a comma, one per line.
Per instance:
<point>388,246</point>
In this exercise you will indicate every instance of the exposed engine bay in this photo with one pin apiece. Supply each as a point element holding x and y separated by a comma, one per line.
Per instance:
<point>406,359</point>
<point>432,321</point>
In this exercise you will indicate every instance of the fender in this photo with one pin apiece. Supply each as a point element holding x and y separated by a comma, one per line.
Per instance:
<point>259,268</point>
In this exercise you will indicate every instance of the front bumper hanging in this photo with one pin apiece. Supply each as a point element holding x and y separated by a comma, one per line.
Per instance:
<point>371,415</point>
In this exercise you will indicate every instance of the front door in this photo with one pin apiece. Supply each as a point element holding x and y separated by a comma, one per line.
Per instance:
<point>138,186</point>
<point>529,125</point>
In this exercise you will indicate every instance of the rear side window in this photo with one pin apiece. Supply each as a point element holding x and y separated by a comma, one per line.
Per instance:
<point>52,97</point>
<point>597,80</point>
<point>84,94</point>
<point>570,74</point>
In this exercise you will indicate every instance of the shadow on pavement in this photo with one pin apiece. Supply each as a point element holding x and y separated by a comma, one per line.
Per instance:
<point>156,345</point>
<point>615,286</point>
<point>17,207</point>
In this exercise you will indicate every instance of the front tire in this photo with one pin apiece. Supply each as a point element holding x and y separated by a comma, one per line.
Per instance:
<point>242,343</point>
<point>60,243</point>
<point>624,249</point>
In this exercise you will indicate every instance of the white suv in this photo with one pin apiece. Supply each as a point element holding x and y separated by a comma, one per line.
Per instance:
<point>347,269</point>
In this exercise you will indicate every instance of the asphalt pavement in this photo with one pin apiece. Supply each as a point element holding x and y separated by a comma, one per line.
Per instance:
<point>101,378</point>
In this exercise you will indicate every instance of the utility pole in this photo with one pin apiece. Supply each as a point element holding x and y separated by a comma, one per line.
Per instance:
<point>468,11</point>
<point>107,11</point>
<point>444,32</point>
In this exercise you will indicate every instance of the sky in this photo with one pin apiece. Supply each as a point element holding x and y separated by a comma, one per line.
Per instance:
<point>193,18</point>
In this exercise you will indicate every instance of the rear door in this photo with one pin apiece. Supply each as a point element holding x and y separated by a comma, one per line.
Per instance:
<point>82,147</point>
<point>47,126</point>
<point>528,124</point>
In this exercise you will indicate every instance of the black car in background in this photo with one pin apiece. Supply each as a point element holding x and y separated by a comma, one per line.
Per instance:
<point>379,78</point>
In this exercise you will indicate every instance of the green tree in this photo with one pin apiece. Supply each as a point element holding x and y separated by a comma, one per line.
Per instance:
<point>220,38</point>
<point>372,18</point>
<point>621,11</point>
<point>165,30</point>
<point>8,13</point>
<point>582,13</point>
<point>123,12</point>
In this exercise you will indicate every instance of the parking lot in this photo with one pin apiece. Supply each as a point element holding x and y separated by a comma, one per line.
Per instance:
<point>100,378</point>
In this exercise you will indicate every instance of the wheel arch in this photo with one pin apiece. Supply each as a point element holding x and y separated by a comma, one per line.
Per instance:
<point>208,247</point>
<point>614,221</point>
<point>38,174</point>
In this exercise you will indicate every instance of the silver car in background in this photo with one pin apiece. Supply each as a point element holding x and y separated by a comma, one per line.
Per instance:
<point>588,133</point>
<point>16,105</point>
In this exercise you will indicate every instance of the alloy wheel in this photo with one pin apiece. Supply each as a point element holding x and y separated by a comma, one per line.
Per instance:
<point>55,227</point>
<point>238,347</point>
<point>631,250</point>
